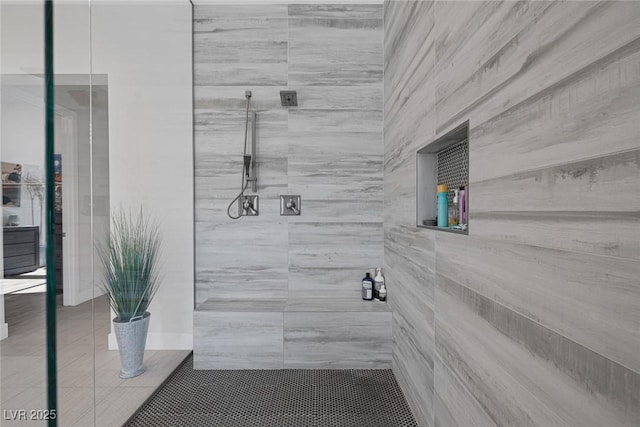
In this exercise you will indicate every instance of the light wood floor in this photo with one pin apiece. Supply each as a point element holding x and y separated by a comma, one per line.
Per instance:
<point>90,393</point>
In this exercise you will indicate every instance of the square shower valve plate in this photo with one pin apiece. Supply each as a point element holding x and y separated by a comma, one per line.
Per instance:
<point>290,205</point>
<point>249,206</point>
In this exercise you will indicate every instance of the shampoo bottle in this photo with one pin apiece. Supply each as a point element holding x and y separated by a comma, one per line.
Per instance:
<point>367,288</point>
<point>443,209</point>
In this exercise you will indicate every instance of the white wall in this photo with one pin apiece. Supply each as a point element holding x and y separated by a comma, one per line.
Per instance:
<point>146,53</point>
<point>144,48</point>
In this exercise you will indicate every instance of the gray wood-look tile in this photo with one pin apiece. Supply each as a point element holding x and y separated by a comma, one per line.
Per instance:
<point>240,340</point>
<point>337,340</point>
<point>240,305</point>
<point>315,60</point>
<point>328,11</point>
<point>413,350</point>
<point>555,288</point>
<point>338,283</point>
<point>355,304</point>
<point>606,378</point>
<point>335,245</point>
<point>203,14</point>
<point>331,120</point>
<point>362,97</point>
<point>244,45</point>
<point>240,74</point>
<point>602,233</point>
<point>551,91</point>
<point>593,185</point>
<point>453,404</point>
<point>570,206</point>
<point>514,386</point>
<point>329,149</point>
<point>557,43</point>
<point>564,123</point>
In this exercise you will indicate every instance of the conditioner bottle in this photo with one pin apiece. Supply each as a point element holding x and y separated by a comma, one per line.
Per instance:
<point>378,282</point>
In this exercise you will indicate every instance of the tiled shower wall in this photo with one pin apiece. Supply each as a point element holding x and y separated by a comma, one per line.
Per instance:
<point>534,318</point>
<point>328,149</point>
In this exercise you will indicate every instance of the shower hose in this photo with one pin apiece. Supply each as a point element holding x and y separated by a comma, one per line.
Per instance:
<point>245,182</point>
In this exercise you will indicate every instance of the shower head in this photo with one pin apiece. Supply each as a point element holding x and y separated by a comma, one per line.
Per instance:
<point>288,98</point>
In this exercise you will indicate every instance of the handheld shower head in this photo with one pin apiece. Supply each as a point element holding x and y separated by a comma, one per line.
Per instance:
<point>247,164</point>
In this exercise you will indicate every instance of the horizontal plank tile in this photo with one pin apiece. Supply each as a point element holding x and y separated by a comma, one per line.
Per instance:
<point>555,288</point>
<point>612,382</point>
<point>337,340</point>
<point>351,11</point>
<point>338,245</point>
<point>237,340</point>
<point>561,42</point>
<point>357,97</point>
<point>242,44</point>
<point>590,116</point>
<point>602,233</point>
<point>240,74</point>
<point>329,121</point>
<point>204,13</point>
<point>512,385</point>
<point>319,282</point>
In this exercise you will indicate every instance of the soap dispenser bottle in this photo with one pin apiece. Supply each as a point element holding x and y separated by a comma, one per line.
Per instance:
<point>367,288</point>
<point>378,282</point>
<point>382,294</point>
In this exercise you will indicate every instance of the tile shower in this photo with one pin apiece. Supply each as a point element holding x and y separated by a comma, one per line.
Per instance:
<point>284,280</point>
<point>531,319</point>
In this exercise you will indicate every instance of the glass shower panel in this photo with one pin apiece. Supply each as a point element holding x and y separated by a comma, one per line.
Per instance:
<point>72,214</point>
<point>23,272</point>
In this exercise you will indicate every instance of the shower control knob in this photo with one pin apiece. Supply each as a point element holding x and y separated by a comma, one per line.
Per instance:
<point>249,206</point>
<point>289,205</point>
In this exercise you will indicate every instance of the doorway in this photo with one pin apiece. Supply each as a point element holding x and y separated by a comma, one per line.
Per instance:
<point>82,186</point>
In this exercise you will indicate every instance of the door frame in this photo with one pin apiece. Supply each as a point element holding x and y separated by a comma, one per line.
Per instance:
<point>71,294</point>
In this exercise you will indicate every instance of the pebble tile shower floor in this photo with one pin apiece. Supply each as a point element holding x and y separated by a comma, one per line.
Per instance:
<point>276,398</point>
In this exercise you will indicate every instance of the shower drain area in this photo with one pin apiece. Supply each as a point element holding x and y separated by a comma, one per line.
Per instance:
<point>276,398</point>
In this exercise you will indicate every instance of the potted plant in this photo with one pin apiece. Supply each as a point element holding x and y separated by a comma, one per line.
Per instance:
<point>130,259</point>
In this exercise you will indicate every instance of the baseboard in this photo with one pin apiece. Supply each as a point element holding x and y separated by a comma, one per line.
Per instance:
<point>4,330</point>
<point>161,341</point>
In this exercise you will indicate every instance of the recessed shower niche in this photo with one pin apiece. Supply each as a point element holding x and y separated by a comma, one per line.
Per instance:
<point>444,161</point>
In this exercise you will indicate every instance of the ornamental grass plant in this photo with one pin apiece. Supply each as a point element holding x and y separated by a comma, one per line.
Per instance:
<point>131,259</point>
